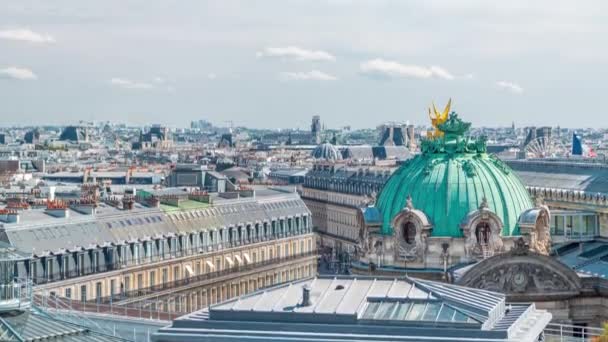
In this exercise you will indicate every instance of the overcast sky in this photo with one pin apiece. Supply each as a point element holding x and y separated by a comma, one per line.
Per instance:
<point>277,63</point>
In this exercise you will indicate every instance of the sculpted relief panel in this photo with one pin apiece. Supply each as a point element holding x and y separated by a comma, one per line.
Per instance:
<point>524,275</point>
<point>521,278</point>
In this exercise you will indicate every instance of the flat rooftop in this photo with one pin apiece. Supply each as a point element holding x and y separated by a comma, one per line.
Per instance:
<point>347,308</point>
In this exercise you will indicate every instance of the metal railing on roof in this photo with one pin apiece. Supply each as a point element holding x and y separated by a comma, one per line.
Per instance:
<point>15,295</point>
<point>95,317</point>
<point>555,332</point>
<point>151,290</point>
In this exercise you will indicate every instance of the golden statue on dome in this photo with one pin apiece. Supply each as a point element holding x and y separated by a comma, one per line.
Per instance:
<point>438,119</point>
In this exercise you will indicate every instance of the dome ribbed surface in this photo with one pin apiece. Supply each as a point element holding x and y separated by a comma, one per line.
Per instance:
<point>446,187</point>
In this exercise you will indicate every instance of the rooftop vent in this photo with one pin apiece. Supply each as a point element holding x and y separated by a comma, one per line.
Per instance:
<point>305,295</point>
<point>340,287</point>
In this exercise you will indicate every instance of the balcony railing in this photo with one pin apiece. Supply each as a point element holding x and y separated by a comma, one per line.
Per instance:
<point>128,262</point>
<point>15,295</point>
<point>571,333</point>
<point>128,294</point>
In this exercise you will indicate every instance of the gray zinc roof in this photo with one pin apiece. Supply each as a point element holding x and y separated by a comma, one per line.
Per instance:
<point>362,308</point>
<point>40,233</point>
<point>562,175</point>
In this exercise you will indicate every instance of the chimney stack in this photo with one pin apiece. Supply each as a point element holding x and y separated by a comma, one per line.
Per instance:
<point>305,295</point>
<point>127,202</point>
<point>9,216</point>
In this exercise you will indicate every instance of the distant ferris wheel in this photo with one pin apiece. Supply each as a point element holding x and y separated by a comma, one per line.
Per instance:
<point>544,147</point>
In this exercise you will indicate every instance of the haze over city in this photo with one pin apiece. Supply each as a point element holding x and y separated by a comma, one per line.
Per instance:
<point>275,63</point>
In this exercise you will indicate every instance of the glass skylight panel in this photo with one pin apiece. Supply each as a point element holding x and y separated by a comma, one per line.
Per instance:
<point>460,317</point>
<point>371,309</point>
<point>446,314</point>
<point>431,312</point>
<point>385,310</point>
<point>401,311</point>
<point>416,312</point>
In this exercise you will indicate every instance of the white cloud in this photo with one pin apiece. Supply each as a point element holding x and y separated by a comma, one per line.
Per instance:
<point>390,69</point>
<point>314,75</point>
<point>16,73</point>
<point>510,86</point>
<point>440,72</point>
<point>26,35</point>
<point>296,53</point>
<point>130,84</point>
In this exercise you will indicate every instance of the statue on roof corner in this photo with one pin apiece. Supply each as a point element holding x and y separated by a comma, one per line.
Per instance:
<point>540,236</point>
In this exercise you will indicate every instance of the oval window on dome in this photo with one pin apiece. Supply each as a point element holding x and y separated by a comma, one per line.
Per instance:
<point>409,232</point>
<point>482,232</point>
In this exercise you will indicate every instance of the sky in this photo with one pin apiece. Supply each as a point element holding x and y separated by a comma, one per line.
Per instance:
<point>277,63</point>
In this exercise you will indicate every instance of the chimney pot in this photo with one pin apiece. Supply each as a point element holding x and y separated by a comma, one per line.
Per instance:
<point>305,295</point>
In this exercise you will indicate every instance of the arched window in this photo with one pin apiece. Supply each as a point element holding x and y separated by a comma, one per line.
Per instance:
<point>409,232</point>
<point>482,232</point>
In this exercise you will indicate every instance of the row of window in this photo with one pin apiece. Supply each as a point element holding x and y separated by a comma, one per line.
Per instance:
<point>575,226</point>
<point>334,197</point>
<point>114,257</point>
<point>359,188</point>
<point>140,281</point>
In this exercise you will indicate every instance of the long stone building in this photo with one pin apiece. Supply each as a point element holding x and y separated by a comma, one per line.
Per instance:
<point>181,254</point>
<point>336,196</point>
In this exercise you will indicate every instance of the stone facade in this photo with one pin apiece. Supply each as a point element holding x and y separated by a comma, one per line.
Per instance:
<point>336,195</point>
<point>421,250</point>
<point>149,255</point>
<point>525,276</point>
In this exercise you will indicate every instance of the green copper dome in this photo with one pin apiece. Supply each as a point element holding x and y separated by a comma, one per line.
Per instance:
<point>450,179</point>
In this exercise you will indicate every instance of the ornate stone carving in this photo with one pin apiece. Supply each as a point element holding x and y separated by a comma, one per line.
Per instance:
<point>522,278</point>
<point>475,219</point>
<point>540,235</point>
<point>484,204</point>
<point>469,168</point>
<point>523,275</point>
<point>365,243</point>
<point>370,200</point>
<point>520,247</point>
<point>408,203</point>
<point>410,218</point>
<point>410,252</point>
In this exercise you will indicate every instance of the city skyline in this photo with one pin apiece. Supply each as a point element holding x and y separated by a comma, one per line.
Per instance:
<point>353,63</point>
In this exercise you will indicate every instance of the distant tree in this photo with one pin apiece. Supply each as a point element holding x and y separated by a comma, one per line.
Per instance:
<point>604,336</point>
